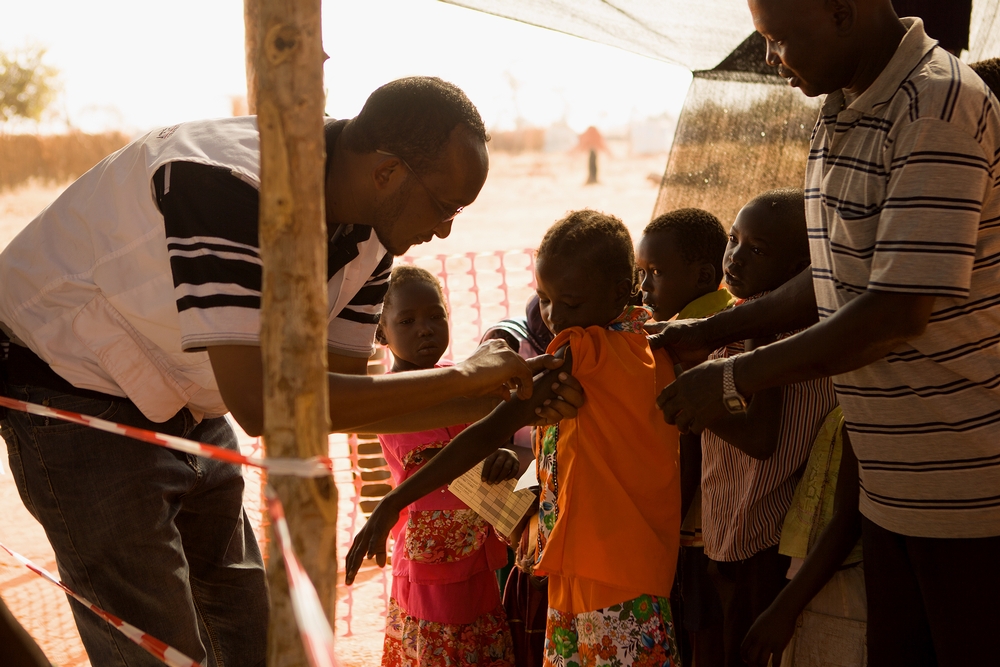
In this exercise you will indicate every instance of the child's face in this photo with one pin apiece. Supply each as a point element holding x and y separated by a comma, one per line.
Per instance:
<point>668,281</point>
<point>415,326</point>
<point>573,294</point>
<point>758,257</point>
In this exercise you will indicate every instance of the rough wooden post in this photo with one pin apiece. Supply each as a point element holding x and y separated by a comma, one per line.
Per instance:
<point>293,248</point>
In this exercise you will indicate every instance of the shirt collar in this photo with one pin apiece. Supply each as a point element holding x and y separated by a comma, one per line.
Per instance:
<point>631,319</point>
<point>911,50</point>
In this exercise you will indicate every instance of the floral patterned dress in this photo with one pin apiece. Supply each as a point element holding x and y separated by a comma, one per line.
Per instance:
<point>637,632</point>
<point>445,607</point>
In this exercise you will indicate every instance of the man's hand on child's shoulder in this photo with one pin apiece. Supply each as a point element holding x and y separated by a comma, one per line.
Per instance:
<point>569,396</point>
<point>685,340</point>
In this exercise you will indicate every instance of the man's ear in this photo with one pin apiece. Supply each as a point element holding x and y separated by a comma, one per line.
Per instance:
<point>388,169</point>
<point>707,277</point>
<point>844,14</point>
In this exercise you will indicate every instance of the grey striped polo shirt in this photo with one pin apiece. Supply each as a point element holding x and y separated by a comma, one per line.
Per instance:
<point>903,195</point>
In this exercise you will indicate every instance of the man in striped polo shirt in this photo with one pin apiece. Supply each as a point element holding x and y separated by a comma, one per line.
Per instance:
<point>903,207</point>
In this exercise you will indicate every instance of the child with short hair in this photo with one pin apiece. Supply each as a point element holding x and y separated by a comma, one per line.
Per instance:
<point>680,268</point>
<point>752,459</point>
<point>445,605</point>
<point>680,265</point>
<point>609,512</point>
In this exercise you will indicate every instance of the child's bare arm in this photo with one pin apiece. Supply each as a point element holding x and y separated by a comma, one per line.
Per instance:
<point>466,450</point>
<point>773,629</point>
<point>755,432</point>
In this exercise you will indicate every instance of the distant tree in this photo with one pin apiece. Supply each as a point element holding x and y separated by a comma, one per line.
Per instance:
<point>27,85</point>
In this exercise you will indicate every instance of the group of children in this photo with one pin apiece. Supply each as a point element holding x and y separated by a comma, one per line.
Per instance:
<point>624,499</point>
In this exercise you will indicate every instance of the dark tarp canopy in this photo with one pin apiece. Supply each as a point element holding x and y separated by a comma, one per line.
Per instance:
<point>742,129</point>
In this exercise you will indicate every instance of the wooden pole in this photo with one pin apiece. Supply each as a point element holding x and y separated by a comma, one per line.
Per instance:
<point>293,248</point>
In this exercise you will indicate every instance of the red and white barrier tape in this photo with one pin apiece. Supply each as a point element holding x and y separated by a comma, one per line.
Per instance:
<point>317,466</point>
<point>315,630</point>
<point>167,654</point>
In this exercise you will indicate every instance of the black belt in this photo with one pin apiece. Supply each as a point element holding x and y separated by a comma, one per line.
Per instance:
<point>20,366</point>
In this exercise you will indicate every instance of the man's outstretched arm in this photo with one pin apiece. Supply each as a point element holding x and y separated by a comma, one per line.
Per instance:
<point>357,400</point>
<point>792,306</point>
<point>863,331</point>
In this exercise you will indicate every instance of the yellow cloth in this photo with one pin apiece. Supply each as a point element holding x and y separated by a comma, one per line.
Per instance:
<point>812,504</point>
<point>616,536</point>
<point>707,305</point>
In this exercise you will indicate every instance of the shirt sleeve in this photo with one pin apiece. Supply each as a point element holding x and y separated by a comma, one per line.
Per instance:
<point>352,329</point>
<point>210,219</point>
<point>928,226</point>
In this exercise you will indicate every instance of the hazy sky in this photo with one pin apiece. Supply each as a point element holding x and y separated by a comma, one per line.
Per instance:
<point>138,64</point>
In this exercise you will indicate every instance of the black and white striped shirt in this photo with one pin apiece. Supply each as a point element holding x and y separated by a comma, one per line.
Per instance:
<point>744,500</point>
<point>210,220</point>
<point>903,195</point>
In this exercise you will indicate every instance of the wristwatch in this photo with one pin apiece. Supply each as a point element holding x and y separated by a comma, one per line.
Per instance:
<point>732,399</point>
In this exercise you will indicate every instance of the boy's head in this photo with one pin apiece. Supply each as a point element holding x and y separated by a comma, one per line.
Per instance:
<point>989,72</point>
<point>680,259</point>
<point>584,271</point>
<point>768,243</point>
<point>414,320</point>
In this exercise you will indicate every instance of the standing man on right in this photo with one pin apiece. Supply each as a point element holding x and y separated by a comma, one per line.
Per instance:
<point>903,207</point>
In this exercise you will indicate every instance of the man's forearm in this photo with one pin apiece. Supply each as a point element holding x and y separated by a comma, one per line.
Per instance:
<point>792,306</point>
<point>863,331</point>
<point>357,401</point>
<point>455,411</point>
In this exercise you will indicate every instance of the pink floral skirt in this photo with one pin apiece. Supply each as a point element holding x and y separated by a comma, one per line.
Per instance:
<point>413,642</point>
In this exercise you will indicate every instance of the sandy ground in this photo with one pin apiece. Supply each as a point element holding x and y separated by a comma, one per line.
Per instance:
<point>524,194</point>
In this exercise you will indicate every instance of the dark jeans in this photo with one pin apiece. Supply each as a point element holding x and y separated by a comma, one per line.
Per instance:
<point>746,588</point>
<point>931,601</point>
<point>155,537</point>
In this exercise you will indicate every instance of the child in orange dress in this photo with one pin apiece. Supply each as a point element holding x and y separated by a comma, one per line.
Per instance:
<point>445,607</point>
<point>609,515</point>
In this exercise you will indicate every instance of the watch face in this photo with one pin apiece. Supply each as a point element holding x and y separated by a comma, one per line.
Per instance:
<point>734,404</point>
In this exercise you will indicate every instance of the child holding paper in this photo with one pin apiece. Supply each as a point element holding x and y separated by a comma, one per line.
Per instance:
<point>445,606</point>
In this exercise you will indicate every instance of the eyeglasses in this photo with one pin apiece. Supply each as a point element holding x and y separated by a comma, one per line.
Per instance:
<point>448,212</point>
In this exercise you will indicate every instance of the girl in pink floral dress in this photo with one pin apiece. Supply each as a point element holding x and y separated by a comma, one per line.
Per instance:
<point>445,607</point>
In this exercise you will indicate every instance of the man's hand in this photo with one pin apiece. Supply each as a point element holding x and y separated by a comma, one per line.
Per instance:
<point>501,465</point>
<point>496,370</point>
<point>370,540</point>
<point>569,399</point>
<point>767,638</point>
<point>694,399</point>
<point>569,392</point>
<point>685,340</point>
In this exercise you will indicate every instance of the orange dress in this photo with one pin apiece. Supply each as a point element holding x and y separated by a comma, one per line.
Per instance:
<point>610,531</point>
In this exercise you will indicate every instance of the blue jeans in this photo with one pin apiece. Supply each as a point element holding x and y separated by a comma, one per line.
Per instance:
<point>155,537</point>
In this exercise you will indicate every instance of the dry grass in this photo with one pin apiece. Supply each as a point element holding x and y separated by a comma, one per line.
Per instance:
<point>722,176</point>
<point>52,159</point>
